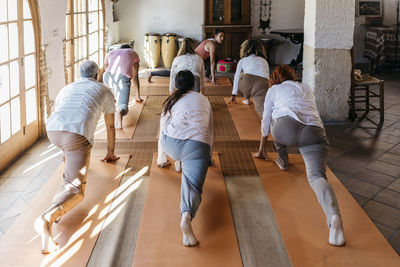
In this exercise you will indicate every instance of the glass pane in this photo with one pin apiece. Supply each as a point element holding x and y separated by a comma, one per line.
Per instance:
<point>79,5</point>
<point>236,10</point>
<point>68,26</point>
<point>93,5</point>
<point>95,57</point>
<point>68,53</point>
<point>83,50</point>
<point>30,106</point>
<point>4,84</point>
<point>3,43</point>
<point>13,37</point>
<point>93,21</point>
<point>93,43</point>
<point>5,122</point>
<point>101,24</point>
<point>101,39</point>
<point>29,38</point>
<point>27,10</point>
<point>14,79</point>
<point>76,71</point>
<point>101,58</point>
<point>12,10</point>
<point>3,10</point>
<point>30,71</point>
<point>218,10</point>
<point>15,116</point>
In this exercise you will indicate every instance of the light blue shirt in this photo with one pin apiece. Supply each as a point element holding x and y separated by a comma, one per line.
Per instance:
<point>292,99</point>
<point>78,108</point>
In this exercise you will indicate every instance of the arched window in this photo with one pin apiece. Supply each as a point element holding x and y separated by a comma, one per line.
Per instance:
<point>85,35</point>
<point>18,78</point>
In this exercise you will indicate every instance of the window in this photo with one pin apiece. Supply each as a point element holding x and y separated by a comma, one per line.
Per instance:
<point>18,94</point>
<point>84,36</point>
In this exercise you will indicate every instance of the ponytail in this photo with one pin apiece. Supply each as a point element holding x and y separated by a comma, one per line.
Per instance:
<point>184,82</point>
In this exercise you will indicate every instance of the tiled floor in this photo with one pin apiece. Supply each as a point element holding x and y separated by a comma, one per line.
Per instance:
<point>367,162</point>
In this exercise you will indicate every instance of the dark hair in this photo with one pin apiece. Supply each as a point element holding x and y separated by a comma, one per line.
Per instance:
<point>184,82</point>
<point>125,46</point>
<point>282,73</point>
<point>252,46</point>
<point>218,30</point>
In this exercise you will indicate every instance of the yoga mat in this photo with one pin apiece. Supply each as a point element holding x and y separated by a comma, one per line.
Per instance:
<point>246,120</point>
<point>164,82</point>
<point>129,122</point>
<point>303,226</point>
<point>160,238</point>
<point>77,231</point>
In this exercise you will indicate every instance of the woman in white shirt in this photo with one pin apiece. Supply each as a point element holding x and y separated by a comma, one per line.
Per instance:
<point>186,59</point>
<point>186,135</point>
<point>252,73</point>
<point>291,115</point>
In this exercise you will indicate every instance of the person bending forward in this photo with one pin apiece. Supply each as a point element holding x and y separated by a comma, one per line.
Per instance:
<point>71,128</point>
<point>291,114</point>
<point>252,74</point>
<point>186,135</point>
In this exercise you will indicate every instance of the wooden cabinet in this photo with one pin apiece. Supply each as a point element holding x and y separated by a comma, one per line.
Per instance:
<point>233,16</point>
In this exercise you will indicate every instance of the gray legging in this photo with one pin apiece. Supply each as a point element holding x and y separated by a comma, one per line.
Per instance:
<point>195,157</point>
<point>313,146</point>
<point>121,86</point>
<point>256,87</point>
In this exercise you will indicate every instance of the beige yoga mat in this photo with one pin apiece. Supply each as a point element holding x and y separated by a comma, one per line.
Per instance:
<point>160,238</point>
<point>129,122</point>
<point>77,231</point>
<point>164,82</point>
<point>303,226</point>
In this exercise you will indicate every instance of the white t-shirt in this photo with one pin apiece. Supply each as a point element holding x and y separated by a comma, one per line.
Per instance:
<point>78,108</point>
<point>292,99</point>
<point>190,118</point>
<point>250,65</point>
<point>191,62</point>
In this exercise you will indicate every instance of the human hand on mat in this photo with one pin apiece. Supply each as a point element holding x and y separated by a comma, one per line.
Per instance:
<point>139,100</point>
<point>110,157</point>
<point>233,100</point>
<point>261,155</point>
<point>164,164</point>
<point>214,82</point>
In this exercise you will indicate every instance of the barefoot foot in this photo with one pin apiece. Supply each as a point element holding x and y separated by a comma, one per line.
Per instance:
<point>189,239</point>
<point>336,235</point>
<point>149,76</point>
<point>43,228</point>
<point>178,166</point>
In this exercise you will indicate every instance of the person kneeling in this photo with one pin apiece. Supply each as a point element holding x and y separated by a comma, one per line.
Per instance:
<point>291,114</point>
<point>186,135</point>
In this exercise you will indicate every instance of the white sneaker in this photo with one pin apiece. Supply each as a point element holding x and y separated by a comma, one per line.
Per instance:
<point>336,235</point>
<point>281,164</point>
<point>178,166</point>
<point>246,101</point>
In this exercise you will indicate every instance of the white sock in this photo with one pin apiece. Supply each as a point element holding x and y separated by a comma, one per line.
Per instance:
<point>186,226</point>
<point>246,101</point>
<point>336,235</point>
<point>178,166</point>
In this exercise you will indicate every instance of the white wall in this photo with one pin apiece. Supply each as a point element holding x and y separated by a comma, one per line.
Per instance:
<point>137,17</point>
<point>285,14</point>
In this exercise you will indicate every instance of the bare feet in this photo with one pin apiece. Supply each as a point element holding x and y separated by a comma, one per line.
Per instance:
<point>163,164</point>
<point>189,239</point>
<point>138,100</point>
<point>178,166</point>
<point>44,229</point>
<point>149,76</point>
<point>336,235</point>
<point>118,120</point>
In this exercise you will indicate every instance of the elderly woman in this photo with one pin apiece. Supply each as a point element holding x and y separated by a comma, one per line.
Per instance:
<point>186,135</point>
<point>252,73</point>
<point>291,114</point>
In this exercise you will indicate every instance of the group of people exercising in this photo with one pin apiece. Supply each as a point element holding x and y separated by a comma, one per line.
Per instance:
<point>287,110</point>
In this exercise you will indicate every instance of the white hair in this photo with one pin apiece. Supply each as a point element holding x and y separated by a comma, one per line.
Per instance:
<point>88,69</point>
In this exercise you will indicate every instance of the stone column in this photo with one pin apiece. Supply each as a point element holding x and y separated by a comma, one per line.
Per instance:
<point>328,39</point>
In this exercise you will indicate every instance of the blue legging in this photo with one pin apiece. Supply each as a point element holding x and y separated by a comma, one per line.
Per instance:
<point>121,86</point>
<point>195,157</point>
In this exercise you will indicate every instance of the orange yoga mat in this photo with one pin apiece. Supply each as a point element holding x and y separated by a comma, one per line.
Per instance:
<point>303,226</point>
<point>129,122</point>
<point>77,231</point>
<point>164,81</point>
<point>159,240</point>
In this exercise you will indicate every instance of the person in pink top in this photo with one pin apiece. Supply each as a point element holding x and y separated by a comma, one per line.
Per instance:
<point>122,66</point>
<point>206,50</point>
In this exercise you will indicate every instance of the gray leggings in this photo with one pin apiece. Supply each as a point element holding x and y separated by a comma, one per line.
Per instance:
<point>256,87</point>
<point>121,86</point>
<point>313,146</point>
<point>195,157</point>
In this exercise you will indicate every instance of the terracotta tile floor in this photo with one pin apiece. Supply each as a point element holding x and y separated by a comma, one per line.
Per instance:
<point>366,161</point>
